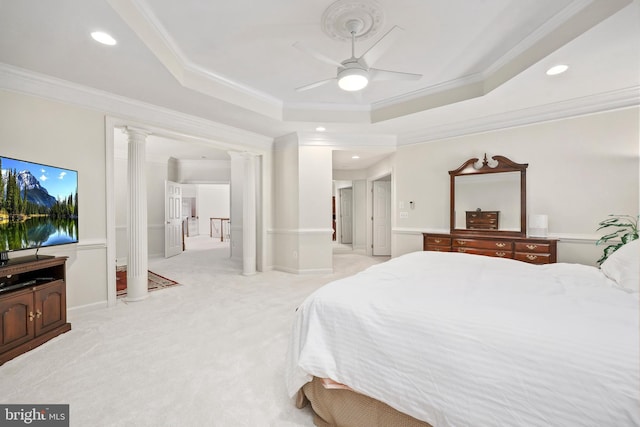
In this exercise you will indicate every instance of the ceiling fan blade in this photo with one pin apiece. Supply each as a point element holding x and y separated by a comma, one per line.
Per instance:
<point>316,84</point>
<point>377,50</point>
<point>317,54</point>
<point>376,74</point>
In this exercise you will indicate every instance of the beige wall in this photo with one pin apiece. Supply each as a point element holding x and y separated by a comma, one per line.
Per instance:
<point>39,130</point>
<point>580,170</point>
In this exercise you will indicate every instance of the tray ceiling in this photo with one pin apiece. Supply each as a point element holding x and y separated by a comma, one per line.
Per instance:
<point>234,62</point>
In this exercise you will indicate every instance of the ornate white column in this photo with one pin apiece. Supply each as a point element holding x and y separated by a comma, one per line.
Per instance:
<point>137,258</point>
<point>249,215</point>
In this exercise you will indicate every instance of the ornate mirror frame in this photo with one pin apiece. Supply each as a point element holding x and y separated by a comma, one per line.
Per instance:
<point>503,165</point>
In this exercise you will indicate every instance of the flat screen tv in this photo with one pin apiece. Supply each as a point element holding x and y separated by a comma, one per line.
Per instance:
<point>38,206</point>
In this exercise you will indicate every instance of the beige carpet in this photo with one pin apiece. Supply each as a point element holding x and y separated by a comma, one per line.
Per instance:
<point>209,353</point>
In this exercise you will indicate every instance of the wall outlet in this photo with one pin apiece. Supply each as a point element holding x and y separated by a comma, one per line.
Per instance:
<point>404,215</point>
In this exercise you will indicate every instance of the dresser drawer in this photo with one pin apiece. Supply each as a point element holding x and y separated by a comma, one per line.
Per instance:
<point>482,215</point>
<point>438,248</point>
<point>487,252</point>
<point>533,247</point>
<point>438,241</point>
<point>533,258</point>
<point>483,244</point>
<point>482,223</point>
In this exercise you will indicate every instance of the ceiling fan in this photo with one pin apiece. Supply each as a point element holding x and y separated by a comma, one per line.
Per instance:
<point>355,73</point>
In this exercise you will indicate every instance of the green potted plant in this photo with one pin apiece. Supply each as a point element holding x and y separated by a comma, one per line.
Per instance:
<point>626,230</point>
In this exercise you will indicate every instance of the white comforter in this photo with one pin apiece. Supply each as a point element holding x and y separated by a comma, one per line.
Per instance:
<point>466,340</point>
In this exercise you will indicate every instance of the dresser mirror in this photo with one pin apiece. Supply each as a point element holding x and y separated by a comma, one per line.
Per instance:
<point>489,196</point>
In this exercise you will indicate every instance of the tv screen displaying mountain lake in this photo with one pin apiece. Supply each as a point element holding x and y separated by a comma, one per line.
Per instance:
<point>38,205</point>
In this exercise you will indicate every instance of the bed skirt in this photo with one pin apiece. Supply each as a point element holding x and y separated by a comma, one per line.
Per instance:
<point>346,408</point>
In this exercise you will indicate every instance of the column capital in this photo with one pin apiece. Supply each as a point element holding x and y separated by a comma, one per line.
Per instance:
<point>136,132</point>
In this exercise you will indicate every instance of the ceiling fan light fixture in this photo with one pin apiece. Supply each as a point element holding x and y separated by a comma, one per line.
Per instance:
<point>353,79</point>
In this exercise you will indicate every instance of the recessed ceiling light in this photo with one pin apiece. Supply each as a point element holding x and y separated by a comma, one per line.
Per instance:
<point>355,157</point>
<point>320,129</point>
<point>557,69</point>
<point>103,38</point>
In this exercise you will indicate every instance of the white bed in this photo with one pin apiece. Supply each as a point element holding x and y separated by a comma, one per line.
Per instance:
<point>464,340</point>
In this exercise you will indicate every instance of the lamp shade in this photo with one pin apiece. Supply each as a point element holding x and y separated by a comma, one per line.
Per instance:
<point>353,79</point>
<point>538,225</point>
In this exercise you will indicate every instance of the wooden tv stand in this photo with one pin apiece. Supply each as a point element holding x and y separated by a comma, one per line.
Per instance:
<point>33,303</point>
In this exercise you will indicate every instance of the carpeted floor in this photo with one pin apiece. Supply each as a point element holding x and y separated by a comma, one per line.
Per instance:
<point>156,282</point>
<point>209,353</point>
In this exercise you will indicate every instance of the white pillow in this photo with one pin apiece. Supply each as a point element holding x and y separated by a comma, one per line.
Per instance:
<point>623,266</point>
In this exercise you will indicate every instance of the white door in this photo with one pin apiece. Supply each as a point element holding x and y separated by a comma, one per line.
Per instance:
<point>172,219</point>
<point>382,218</point>
<point>346,215</point>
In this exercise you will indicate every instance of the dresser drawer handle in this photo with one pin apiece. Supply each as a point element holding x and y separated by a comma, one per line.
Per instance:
<point>501,254</point>
<point>501,245</point>
<point>461,242</point>
<point>532,247</point>
<point>462,250</point>
<point>532,257</point>
<point>437,240</point>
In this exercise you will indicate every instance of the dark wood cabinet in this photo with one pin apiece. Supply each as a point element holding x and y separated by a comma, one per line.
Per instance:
<point>482,220</point>
<point>33,305</point>
<point>527,249</point>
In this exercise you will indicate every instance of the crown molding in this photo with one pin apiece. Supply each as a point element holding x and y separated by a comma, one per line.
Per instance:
<point>24,81</point>
<point>607,101</point>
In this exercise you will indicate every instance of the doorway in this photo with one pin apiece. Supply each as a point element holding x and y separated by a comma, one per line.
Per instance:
<point>381,218</point>
<point>346,216</point>
<point>160,166</point>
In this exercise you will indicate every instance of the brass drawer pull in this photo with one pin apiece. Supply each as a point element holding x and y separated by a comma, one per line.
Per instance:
<point>532,247</point>
<point>31,316</point>
<point>501,245</point>
<point>462,250</point>
<point>38,314</point>
<point>501,254</point>
<point>437,240</point>
<point>461,242</point>
<point>532,257</point>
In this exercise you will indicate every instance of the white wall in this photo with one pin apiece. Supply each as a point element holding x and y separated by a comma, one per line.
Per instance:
<point>204,171</point>
<point>39,130</point>
<point>580,170</point>
<point>315,170</point>
<point>284,238</point>
<point>213,201</point>
<point>302,206</point>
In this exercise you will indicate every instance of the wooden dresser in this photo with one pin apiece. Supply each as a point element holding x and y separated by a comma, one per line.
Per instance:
<point>528,249</point>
